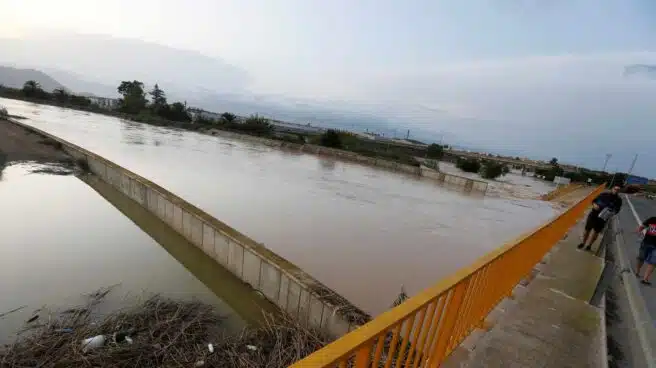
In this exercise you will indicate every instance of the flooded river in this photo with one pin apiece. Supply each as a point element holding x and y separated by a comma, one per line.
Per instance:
<point>362,231</point>
<point>60,240</point>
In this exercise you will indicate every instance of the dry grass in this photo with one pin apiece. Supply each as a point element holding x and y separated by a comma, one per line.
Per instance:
<point>165,333</point>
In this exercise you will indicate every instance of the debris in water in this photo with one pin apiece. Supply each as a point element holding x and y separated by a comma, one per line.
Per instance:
<point>168,331</point>
<point>400,298</point>
<point>12,311</point>
<point>93,343</point>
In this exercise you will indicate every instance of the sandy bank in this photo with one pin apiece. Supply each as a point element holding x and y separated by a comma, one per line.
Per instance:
<point>18,144</point>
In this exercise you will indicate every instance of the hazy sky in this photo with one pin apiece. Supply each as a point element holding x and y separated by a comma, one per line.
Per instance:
<point>540,76</point>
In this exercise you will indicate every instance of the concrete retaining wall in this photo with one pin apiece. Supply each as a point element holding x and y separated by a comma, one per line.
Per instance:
<point>283,283</point>
<point>467,183</point>
<point>442,177</point>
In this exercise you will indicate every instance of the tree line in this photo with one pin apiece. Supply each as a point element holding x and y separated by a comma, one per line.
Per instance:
<point>134,101</point>
<point>32,90</point>
<point>581,175</point>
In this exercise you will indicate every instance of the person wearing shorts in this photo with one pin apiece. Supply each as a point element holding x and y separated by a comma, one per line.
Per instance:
<point>605,205</point>
<point>647,251</point>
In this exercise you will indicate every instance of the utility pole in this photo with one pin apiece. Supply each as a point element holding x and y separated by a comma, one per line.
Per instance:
<point>608,156</point>
<point>612,180</point>
<point>632,165</point>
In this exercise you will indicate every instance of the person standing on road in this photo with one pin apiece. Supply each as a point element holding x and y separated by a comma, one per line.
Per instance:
<point>604,207</point>
<point>647,252</point>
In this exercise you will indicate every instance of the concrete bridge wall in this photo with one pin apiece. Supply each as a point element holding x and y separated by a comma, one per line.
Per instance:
<point>280,281</point>
<point>467,183</point>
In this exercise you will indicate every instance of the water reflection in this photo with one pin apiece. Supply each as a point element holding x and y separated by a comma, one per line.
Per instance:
<point>241,298</point>
<point>60,240</point>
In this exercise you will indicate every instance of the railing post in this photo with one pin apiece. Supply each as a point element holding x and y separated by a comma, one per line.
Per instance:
<point>363,356</point>
<point>449,322</point>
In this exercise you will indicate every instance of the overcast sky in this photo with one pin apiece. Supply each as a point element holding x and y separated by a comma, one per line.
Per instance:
<point>544,77</point>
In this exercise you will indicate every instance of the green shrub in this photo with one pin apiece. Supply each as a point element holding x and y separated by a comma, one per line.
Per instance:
<point>492,170</point>
<point>434,151</point>
<point>331,138</point>
<point>468,165</point>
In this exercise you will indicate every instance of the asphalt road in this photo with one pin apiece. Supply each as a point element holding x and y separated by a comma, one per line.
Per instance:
<point>641,208</point>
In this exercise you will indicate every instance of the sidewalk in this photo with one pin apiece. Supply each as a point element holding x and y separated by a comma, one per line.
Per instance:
<point>549,322</point>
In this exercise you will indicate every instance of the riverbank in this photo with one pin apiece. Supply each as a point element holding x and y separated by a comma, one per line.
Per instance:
<point>18,144</point>
<point>376,154</point>
<point>382,151</point>
<point>468,184</point>
<point>158,332</point>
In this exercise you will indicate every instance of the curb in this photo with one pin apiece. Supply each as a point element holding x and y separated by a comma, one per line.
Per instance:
<point>604,332</point>
<point>643,323</point>
<point>604,335</point>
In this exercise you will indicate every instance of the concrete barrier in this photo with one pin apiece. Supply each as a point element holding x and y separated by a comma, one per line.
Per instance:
<point>467,183</point>
<point>280,281</point>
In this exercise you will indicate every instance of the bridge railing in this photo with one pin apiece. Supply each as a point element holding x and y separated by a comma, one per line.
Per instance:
<point>426,328</point>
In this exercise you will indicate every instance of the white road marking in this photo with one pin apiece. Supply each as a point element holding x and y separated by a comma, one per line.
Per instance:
<point>635,214</point>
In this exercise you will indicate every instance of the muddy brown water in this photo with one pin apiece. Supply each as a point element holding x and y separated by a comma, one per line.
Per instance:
<point>362,231</point>
<point>60,240</point>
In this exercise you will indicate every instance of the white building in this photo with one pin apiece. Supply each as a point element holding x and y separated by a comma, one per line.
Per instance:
<point>105,102</point>
<point>196,112</point>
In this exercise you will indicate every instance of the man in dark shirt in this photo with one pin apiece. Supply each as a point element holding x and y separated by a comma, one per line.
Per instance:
<point>604,206</point>
<point>647,252</point>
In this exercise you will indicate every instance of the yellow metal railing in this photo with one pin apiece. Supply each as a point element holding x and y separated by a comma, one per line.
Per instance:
<point>426,328</point>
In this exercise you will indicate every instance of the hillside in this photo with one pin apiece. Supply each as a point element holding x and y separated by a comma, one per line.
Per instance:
<point>109,60</point>
<point>15,78</point>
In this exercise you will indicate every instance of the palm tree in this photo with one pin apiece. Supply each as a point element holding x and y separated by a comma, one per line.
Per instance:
<point>31,88</point>
<point>60,94</point>
<point>228,117</point>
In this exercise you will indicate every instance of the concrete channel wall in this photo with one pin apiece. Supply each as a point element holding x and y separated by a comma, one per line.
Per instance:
<point>280,281</point>
<point>467,183</point>
<point>442,177</point>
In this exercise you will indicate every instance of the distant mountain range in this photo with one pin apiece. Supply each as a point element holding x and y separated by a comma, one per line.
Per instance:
<point>640,70</point>
<point>108,60</point>
<point>15,78</point>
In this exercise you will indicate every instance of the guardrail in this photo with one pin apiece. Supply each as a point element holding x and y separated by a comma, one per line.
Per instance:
<point>426,328</point>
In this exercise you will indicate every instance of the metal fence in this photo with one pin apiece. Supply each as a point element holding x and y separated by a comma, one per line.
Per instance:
<point>425,329</point>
